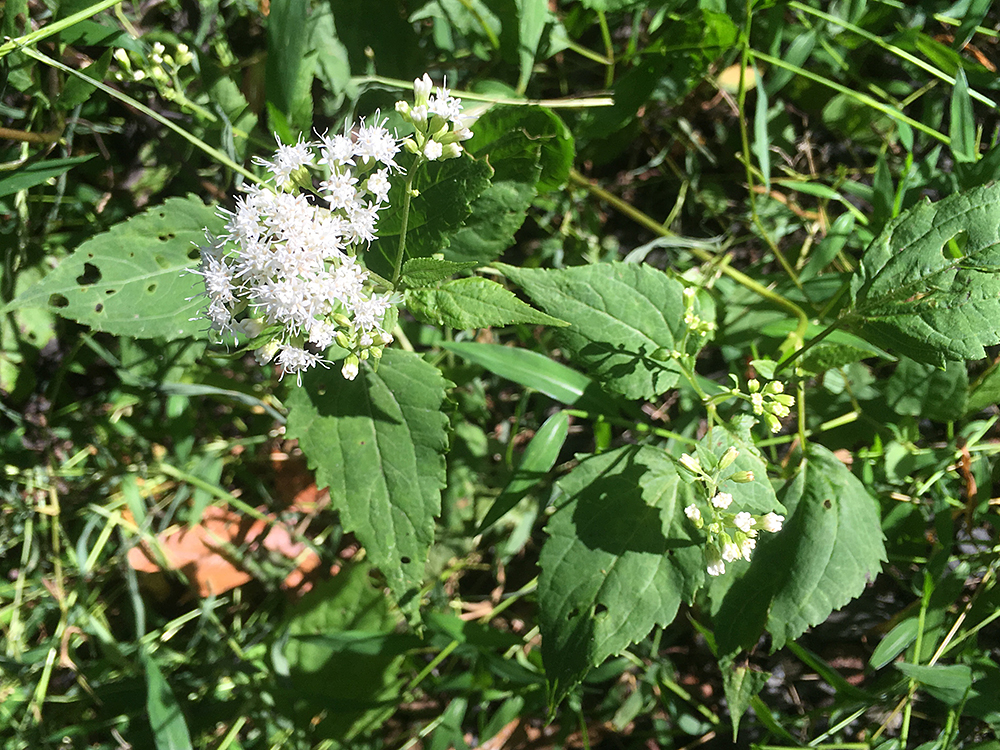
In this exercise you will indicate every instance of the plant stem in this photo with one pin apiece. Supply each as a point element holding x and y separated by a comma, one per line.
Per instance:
<point>407,196</point>
<point>45,32</point>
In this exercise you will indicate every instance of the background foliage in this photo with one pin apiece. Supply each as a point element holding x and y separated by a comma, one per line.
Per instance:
<point>503,556</point>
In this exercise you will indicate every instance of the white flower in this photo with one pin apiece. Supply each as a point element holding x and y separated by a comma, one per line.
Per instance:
<point>378,185</point>
<point>714,563</point>
<point>722,500</point>
<point>287,159</point>
<point>433,150</point>
<point>730,552</point>
<point>339,189</point>
<point>378,144</point>
<point>772,522</point>
<point>692,512</point>
<point>296,359</point>
<point>338,151</point>
<point>747,546</point>
<point>744,522</point>
<point>350,368</point>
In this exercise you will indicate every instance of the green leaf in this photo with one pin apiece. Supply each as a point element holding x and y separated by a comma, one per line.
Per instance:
<point>534,370</point>
<point>338,656</point>
<point>473,302</point>
<point>761,140</point>
<point>928,285</point>
<point>419,272</point>
<point>530,150</point>
<point>625,321</point>
<point>830,547</point>
<point>378,443</point>
<point>170,730</point>
<point>133,280</point>
<point>962,128</point>
<point>619,560</point>
<point>894,642</point>
<point>286,47</point>
<point>445,191</point>
<point>920,390</point>
<point>538,459</point>
<point>740,684</point>
<point>985,392</point>
<point>78,90</point>
<point>949,683</point>
<point>37,172</point>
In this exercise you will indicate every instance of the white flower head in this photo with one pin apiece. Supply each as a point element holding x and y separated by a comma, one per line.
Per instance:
<point>722,500</point>
<point>296,359</point>
<point>692,512</point>
<point>772,522</point>
<point>744,522</point>
<point>730,552</point>
<point>713,561</point>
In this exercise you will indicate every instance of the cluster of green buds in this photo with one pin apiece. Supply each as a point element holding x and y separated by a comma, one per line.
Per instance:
<point>731,536</point>
<point>694,323</point>
<point>438,123</point>
<point>770,402</point>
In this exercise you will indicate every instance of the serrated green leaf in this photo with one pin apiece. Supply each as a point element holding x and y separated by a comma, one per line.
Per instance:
<point>133,280</point>
<point>928,286</point>
<point>473,302</point>
<point>618,561</point>
<point>538,459</point>
<point>418,272</point>
<point>378,442</point>
<point>37,172</point>
<point>534,370</point>
<point>920,390</point>
<point>740,684</point>
<point>445,191</point>
<point>623,317</point>
<point>830,547</point>
<point>530,150</point>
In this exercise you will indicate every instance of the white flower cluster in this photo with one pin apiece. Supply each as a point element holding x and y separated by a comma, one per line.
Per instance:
<point>287,265</point>
<point>731,536</point>
<point>438,123</point>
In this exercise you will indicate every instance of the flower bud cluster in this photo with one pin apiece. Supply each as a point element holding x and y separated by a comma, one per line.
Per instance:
<point>162,68</point>
<point>694,323</point>
<point>438,123</point>
<point>770,402</point>
<point>286,272</point>
<point>731,536</point>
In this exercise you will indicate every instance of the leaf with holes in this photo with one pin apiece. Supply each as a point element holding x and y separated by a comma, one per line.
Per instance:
<point>929,285</point>
<point>378,442</point>
<point>619,560</point>
<point>133,280</point>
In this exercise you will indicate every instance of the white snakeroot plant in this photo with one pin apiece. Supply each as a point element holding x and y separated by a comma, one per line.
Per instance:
<point>288,271</point>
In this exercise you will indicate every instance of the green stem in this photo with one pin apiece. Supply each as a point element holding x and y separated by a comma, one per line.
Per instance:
<point>609,50</point>
<point>45,32</point>
<point>581,102</point>
<point>407,196</point>
<point>812,342</point>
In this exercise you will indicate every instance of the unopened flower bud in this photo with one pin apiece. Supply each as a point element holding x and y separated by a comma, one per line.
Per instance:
<point>690,463</point>
<point>694,515</point>
<point>266,353</point>
<point>728,457</point>
<point>741,477</point>
<point>350,368</point>
<point>451,151</point>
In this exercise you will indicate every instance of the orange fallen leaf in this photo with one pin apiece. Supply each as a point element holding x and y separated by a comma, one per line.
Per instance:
<point>200,552</point>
